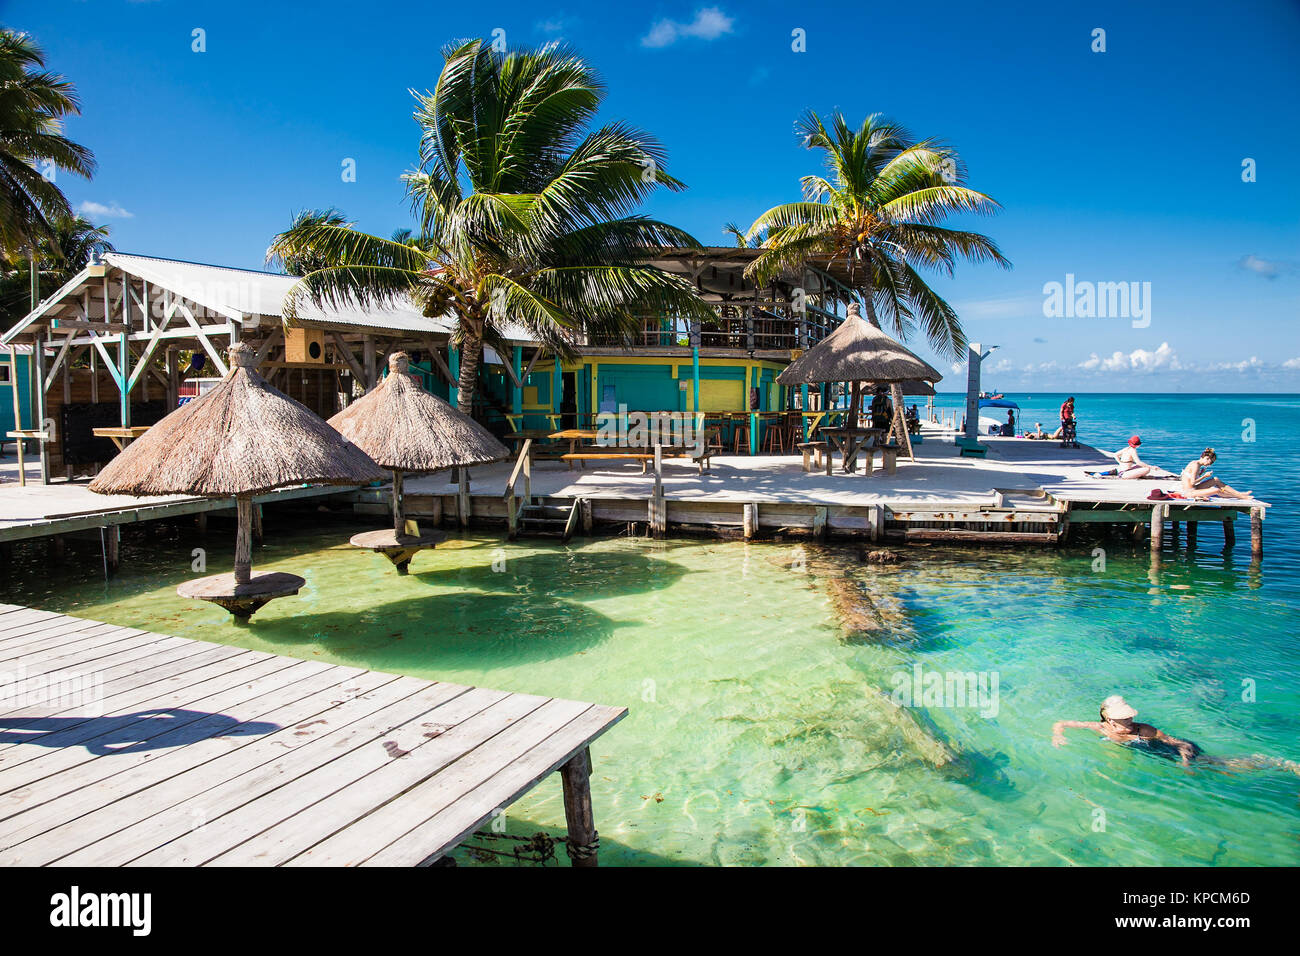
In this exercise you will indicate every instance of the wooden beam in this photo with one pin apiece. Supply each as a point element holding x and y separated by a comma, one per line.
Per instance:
<point>343,348</point>
<point>203,339</point>
<point>435,355</point>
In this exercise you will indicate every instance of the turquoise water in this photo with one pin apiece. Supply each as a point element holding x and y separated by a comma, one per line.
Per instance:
<point>758,675</point>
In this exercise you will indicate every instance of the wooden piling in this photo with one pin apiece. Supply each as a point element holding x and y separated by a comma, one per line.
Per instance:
<point>575,775</point>
<point>1229,534</point>
<point>257,523</point>
<point>1158,527</point>
<point>462,498</point>
<point>112,548</point>
<point>659,507</point>
<point>819,524</point>
<point>399,513</point>
<point>1191,535</point>
<point>201,522</point>
<point>1175,528</point>
<point>750,520</point>
<point>1256,533</point>
<point>587,523</point>
<point>877,522</point>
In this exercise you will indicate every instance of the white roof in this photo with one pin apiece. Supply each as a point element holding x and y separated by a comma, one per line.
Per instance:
<point>249,296</point>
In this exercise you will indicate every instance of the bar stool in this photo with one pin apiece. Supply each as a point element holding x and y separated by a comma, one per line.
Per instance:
<point>774,439</point>
<point>740,433</point>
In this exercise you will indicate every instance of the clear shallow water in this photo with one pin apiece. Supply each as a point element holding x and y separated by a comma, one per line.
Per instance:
<point>757,676</point>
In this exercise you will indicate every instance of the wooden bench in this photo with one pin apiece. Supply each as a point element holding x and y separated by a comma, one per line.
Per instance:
<point>583,456</point>
<point>888,457</point>
<point>822,451</point>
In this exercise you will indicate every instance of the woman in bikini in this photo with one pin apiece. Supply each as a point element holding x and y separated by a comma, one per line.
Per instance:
<point>1130,465</point>
<point>1199,482</point>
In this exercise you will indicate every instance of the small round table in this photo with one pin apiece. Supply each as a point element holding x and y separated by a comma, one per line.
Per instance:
<point>242,600</point>
<point>398,548</point>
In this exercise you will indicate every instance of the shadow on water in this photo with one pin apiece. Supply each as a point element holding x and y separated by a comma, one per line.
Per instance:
<point>128,733</point>
<point>465,629</point>
<point>567,573</point>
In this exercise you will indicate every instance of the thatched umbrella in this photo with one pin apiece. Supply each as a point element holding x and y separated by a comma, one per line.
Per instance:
<point>404,428</point>
<point>243,438</point>
<point>858,352</point>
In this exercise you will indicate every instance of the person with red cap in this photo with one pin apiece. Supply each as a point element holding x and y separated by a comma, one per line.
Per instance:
<point>1130,464</point>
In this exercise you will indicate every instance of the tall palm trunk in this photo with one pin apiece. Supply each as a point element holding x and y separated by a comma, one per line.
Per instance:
<point>471,354</point>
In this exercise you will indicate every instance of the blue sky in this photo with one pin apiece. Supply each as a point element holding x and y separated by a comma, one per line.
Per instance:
<point>1122,166</point>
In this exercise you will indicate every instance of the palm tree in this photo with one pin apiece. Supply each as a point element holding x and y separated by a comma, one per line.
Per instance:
<point>880,214</point>
<point>526,214</point>
<point>33,103</point>
<point>74,242</point>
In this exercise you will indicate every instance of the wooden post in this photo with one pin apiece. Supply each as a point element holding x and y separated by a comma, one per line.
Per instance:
<point>819,523</point>
<point>201,522</point>
<point>399,513</point>
<point>899,425</point>
<point>1174,530</point>
<point>1256,533</point>
<point>1157,527</point>
<point>38,372</point>
<point>368,358</point>
<point>257,523</point>
<point>244,540</point>
<point>112,548</point>
<point>658,507</point>
<point>1229,534</point>
<point>462,499</point>
<point>18,417</point>
<point>750,520</point>
<point>575,776</point>
<point>587,526</point>
<point>877,522</point>
<point>1191,535</point>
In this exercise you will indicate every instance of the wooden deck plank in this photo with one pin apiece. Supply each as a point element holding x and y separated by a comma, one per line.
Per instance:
<point>62,825</point>
<point>67,639</point>
<point>279,759</point>
<point>377,776</point>
<point>120,735</point>
<point>68,770</point>
<point>393,820</point>
<point>461,817</point>
<point>305,785</point>
<point>176,785</point>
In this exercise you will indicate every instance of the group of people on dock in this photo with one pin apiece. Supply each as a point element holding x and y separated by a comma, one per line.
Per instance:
<point>1196,481</point>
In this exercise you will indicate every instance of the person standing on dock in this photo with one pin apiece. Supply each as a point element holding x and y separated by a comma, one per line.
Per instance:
<point>1199,482</point>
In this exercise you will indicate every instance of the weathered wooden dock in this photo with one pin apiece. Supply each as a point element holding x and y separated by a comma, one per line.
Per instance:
<point>122,747</point>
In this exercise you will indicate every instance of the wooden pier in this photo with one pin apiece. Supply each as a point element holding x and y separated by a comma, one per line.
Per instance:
<point>122,747</point>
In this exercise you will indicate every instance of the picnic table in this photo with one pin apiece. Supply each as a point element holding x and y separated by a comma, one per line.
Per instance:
<point>573,436</point>
<point>850,441</point>
<point>121,436</point>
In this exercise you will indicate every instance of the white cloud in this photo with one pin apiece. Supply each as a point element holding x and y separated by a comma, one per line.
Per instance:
<point>1291,363</point>
<point>1261,267</point>
<point>1139,360</point>
<point>709,24</point>
<point>111,211</point>
<point>555,24</point>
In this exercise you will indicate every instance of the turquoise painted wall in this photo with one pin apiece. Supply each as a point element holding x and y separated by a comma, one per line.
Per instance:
<point>7,396</point>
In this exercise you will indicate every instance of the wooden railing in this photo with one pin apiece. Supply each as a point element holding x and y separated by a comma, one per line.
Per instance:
<point>524,466</point>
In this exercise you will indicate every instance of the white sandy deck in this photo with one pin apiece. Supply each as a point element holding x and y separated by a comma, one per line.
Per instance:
<point>938,476</point>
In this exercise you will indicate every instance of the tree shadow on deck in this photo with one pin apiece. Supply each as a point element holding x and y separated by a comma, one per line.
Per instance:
<point>128,733</point>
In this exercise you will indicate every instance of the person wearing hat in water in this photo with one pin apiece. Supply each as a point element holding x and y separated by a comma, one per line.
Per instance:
<point>1117,724</point>
<point>1130,464</point>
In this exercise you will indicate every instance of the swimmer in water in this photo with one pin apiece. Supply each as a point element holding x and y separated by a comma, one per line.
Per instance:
<point>1117,723</point>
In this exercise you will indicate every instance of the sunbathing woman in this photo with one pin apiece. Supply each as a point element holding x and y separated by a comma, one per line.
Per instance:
<point>1199,482</point>
<point>1130,465</point>
<point>1118,725</point>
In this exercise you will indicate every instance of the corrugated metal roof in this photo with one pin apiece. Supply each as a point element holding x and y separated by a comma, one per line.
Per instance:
<point>246,293</point>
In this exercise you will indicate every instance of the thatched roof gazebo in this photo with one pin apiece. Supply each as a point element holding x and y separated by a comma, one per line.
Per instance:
<point>859,352</point>
<point>243,438</point>
<point>404,428</point>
